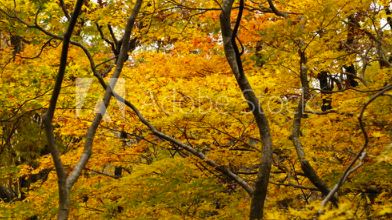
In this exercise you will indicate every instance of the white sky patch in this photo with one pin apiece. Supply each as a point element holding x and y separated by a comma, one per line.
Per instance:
<point>384,24</point>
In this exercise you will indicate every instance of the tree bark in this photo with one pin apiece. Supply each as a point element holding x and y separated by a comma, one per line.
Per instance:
<point>233,57</point>
<point>308,170</point>
<point>65,182</point>
<point>48,117</point>
<point>74,175</point>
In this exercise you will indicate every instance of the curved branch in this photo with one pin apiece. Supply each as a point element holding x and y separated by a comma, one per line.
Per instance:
<point>361,154</point>
<point>41,50</point>
<point>275,10</point>
<point>64,9</point>
<point>112,34</point>
<point>112,45</point>
<point>238,21</point>
<point>224,170</point>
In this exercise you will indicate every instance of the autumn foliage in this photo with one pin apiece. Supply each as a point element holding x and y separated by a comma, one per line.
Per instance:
<point>184,109</point>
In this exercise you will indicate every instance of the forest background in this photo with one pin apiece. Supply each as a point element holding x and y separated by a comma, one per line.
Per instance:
<point>185,109</point>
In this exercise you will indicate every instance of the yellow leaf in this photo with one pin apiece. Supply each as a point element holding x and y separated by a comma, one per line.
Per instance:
<point>377,134</point>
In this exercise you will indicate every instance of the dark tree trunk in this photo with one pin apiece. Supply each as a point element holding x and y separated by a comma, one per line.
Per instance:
<point>233,56</point>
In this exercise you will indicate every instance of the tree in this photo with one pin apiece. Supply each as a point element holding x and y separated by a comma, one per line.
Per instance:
<point>233,56</point>
<point>186,139</point>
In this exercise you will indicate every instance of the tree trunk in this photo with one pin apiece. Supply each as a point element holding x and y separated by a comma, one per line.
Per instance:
<point>63,201</point>
<point>233,57</point>
<point>48,117</point>
<point>308,170</point>
<point>65,182</point>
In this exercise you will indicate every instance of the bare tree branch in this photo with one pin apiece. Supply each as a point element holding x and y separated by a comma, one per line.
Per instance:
<point>112,45</point>
<point>275,10</point>
<point>65,11</point>
<point>361,154</point>
<point>343,179</point>
<point>41,50</point>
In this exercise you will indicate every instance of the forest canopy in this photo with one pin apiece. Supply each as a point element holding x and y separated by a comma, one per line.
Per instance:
<point>186,109</point>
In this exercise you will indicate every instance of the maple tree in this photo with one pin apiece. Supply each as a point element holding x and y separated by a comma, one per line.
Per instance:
<point>221,109</point>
